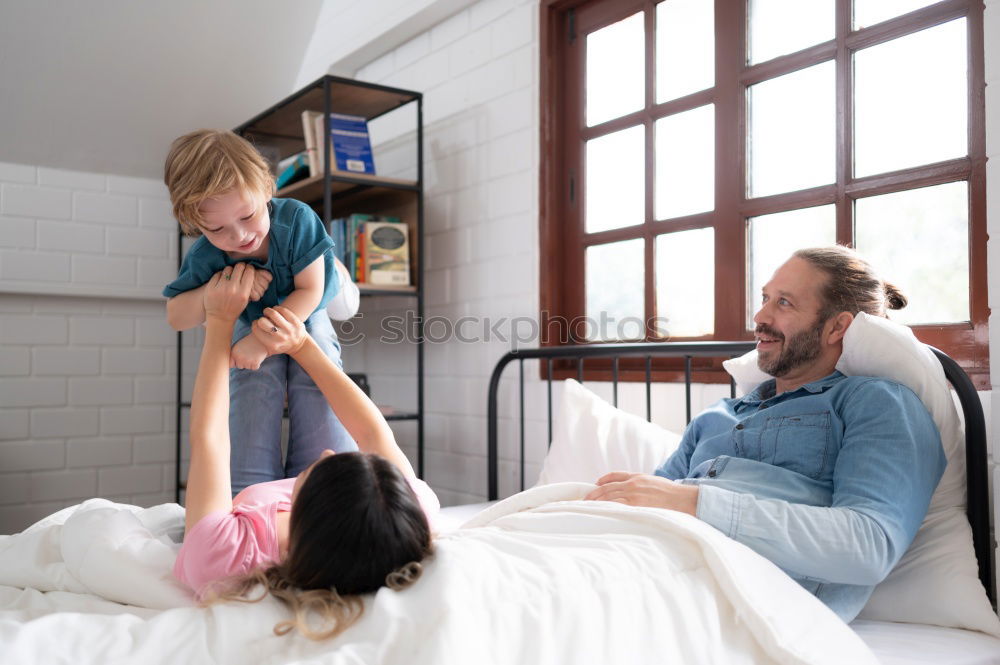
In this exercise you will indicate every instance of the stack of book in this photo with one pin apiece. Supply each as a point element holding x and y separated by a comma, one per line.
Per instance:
<point>376,250</point>
<point>350,143</point>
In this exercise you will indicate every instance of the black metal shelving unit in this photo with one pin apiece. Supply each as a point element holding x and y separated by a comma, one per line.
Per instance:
<point>339,194</point>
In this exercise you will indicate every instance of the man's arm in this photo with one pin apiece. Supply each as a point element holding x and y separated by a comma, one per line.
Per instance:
<point>890,461</point>
<point>885,475</point>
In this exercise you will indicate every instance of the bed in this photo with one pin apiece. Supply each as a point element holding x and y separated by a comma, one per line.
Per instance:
<point>537,577</point>
<point>939,604</point>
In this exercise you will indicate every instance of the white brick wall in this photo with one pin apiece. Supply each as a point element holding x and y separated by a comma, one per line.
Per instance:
<point>86,376</point>
<point>478,72</point>
<point>67,232</point>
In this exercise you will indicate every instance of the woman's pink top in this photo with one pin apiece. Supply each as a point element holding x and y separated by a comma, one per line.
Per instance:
<point>224,544</point>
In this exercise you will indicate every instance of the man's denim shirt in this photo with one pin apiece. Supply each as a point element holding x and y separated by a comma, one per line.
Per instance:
<point>829,481</point>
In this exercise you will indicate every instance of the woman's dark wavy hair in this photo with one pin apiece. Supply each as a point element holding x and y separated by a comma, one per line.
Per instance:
<point>355,520</point>
<point>356,526</point>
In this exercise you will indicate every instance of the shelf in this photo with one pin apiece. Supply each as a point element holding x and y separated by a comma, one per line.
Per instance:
<point>278,131</point>
<point>402,416</point>
<point>281,125</point>
<point>343,185</point>
<point>377,290</point>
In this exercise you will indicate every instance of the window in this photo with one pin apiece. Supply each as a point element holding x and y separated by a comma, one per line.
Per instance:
<point>689,146</point>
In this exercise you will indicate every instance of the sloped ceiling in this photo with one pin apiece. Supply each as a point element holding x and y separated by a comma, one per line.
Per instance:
<point>105,85</point>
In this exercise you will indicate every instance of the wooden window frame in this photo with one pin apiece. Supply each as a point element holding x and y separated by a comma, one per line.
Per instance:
<point>563,133</point>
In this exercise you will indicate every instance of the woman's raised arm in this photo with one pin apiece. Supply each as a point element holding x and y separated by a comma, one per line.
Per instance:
<point>209,487</point>
<point>281,331</point>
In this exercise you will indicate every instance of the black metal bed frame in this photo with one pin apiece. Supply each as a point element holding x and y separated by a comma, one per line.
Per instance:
<point>975,425</point>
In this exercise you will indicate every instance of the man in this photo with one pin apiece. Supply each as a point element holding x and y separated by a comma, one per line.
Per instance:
<point>828,476</point>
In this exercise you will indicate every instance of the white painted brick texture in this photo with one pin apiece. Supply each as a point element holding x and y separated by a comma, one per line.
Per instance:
<point>478,73</point>
<point>86,391</point>
<point>85,234</point>
<point>90,410</point>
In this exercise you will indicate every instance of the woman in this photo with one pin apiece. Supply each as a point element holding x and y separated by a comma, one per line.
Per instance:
<point>348,524</point>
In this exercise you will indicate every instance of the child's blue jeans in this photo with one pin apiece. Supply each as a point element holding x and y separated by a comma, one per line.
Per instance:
<point>257,402</point>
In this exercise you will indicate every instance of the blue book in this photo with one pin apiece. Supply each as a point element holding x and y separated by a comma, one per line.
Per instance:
<point>337,234</point>
<point>297,170</point>
<point>352,148</point>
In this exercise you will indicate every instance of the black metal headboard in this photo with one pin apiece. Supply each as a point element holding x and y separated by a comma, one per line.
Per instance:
<point>975,424</point>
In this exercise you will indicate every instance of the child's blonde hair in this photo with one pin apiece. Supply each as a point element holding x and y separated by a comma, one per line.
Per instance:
<point>210,162</point>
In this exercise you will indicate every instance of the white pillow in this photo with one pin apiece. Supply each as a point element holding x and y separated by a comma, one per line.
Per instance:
<point>591,437</point>
<point>937,580</point>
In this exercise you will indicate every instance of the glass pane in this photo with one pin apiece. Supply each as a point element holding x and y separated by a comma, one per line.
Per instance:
<point>793,134</point>
<point>615,191</point>
<point>685,283</point>
<point>616,275</point>
<point>870,12</point>
<point>919,241</point>
<point>616,70</point>
<point>685,48</point>
<point>771,239</point>
<point>685,163</point>
<point>911,100</point>
<point>778,27</point>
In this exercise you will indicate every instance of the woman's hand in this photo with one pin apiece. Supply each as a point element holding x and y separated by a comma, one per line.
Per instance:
<point>227,293</point>
<point>280,331</point>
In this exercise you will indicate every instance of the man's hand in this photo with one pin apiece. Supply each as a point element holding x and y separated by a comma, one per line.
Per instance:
<point>642,489</point>
<point>280,331</point>
<point>226,293</point>
<point>247,354</point>
<point>261,280</point>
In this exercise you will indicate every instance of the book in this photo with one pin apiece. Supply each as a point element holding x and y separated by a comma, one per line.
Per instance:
<point>353,247</point>
<point>309,135</point>
<point>336,231</point>
<point>386,253</point>
<point>350,144</point>
<point>295,171</point>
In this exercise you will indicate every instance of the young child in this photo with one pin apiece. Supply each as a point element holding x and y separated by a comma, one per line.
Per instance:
<point>221,190</point>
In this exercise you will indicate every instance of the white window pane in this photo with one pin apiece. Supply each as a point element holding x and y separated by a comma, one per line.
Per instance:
<point>870,12</point>
<point>911,100</point>
<point>919,241</point>
<point>685,48</point>
<point>615,285</point>
<point>615,190</point>
<point>771,240</point>
<point>778,27</point>
<point>685,283</point>
<point>793,134</point>
<point>685,163</point>
<point>616,70</point>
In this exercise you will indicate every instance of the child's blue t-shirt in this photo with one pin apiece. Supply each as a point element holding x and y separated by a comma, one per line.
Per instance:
<point>297,238</point>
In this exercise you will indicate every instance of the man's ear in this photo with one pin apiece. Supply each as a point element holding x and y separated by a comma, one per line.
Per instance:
<point>838,327</point>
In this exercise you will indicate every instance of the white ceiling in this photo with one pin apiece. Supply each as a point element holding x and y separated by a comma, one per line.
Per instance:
<point>105,85</point>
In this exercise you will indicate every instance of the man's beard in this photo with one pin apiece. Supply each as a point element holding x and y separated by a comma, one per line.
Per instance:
<point>802,348</point>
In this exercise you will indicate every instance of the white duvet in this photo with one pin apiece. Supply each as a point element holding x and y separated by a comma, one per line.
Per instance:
<point>534,579</point>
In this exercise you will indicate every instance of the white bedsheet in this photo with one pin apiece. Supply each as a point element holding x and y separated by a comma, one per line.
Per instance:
<point>571,582</point>
<point>917,644</point>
